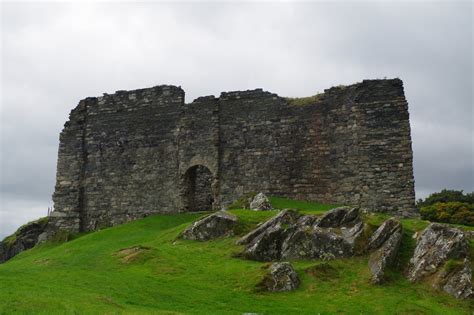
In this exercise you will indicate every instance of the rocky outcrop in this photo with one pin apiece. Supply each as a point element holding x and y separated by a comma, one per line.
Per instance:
<point>280,277</point>
<point>315,243</point>
<point>260,202</point>
<point>26,237</point>
<point>290,235</point>
<point>440,247</point>
<point>458,282</point>
<point>216,225</point>
<point>437,244</point>
<point>284,217</point>
<point>338,217</point>
<point>385,242</point>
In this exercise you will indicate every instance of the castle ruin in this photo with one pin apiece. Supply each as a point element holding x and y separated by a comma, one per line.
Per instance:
<point>134,153</point>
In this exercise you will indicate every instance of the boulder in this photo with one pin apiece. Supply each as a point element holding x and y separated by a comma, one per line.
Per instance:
<point>317,242</point>
<point>260,202</point>
<point>290,235</point>
<point>440,247</point>
<point>218,224</point>
<point>458,282</point>
<point>386,243</point>
<point>383,233</point>
<point>437,244</point>
<point>285,217</point>
<point>280,277</point>
<point>338,217</point>
<point>26,237</point>
<point>267,245</point>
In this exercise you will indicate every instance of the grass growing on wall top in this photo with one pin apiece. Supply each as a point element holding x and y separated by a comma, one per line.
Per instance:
<point>96,274</point>
<point>301,101</point>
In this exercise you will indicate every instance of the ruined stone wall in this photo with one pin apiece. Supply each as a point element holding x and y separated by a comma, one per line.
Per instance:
<point>118,158</point>
<point>129,154</point>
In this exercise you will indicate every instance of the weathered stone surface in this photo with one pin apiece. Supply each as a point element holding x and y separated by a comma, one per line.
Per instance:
<point>292,236</point>
<point>26,237</point>
<point>285,217</point>
<point>267,245</point>
<point>315,243</point>
<point>435,246</point>
<point>383,233</point>
<point>216,225</point>
<point>386,243</point>
<point>280,277</point>
<point>261,202</point>
<point>129,154</point>
<point>338,217</point>
<point>459,282</point>
<point>438,247</point>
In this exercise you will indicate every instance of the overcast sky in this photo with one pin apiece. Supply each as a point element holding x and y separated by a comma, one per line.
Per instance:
<point>54,54</point>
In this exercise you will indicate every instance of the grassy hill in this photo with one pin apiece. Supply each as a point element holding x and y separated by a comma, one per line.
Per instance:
<point>139,267</point>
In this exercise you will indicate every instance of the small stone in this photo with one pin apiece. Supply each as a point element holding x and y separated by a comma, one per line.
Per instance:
<point>260,202</point>
<point>280,277</point>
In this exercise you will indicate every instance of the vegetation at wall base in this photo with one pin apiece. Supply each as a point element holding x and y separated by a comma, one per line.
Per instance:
<point>140,267</point>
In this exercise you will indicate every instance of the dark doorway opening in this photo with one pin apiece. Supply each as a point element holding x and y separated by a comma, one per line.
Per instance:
<point>198,189</point>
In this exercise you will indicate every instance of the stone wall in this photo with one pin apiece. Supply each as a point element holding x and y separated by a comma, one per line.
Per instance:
<point>130,154</point>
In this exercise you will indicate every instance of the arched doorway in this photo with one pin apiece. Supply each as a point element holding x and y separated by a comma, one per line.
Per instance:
<point>197,189</point>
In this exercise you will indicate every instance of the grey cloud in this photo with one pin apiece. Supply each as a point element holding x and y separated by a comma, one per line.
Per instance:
<point>55,54</point>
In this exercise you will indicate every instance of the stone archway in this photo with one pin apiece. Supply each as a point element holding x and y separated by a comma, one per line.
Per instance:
<point>197,189</point>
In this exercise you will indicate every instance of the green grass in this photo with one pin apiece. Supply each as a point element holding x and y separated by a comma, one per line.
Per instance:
<point>302,101</point>
<point>93,274</point>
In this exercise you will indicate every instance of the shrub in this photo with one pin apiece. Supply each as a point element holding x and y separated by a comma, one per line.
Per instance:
<point>449,212</point>
<point>446,195</point>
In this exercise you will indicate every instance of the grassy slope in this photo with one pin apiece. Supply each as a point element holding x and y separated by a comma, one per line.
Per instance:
<point>87,276</point>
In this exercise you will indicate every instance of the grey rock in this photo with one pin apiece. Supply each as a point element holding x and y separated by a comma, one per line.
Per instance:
<point>280,277</point>
<point>391,232</point>
<point>26,237</point>
<point>437,244</point>
<point>219,224</point>
<point>338,217</point>
<point>384,232</point>
<point>285,217</point>
<point>290,235</point>
<point>260,202</point>
<point>267,245</point>
<point>459,282</point>
<point>352,234</point>
<point>315,243</point>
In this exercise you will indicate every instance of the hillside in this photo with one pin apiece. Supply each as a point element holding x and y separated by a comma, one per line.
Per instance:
<point>140,267</point>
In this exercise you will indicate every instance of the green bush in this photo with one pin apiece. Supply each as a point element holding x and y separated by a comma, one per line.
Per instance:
<point>446,195</point>
<point>449,212</point>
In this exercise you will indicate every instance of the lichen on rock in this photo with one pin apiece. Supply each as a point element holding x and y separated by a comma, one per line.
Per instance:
<point>437,246</point>
<point>280,277</point>
<point>218,224</point>
<point>386,243</point>
<point>261,202</point>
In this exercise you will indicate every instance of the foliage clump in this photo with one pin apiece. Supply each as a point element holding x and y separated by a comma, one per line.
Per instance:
<point>301,101</point>
<point>449,212</point>
<point>448,206</point>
